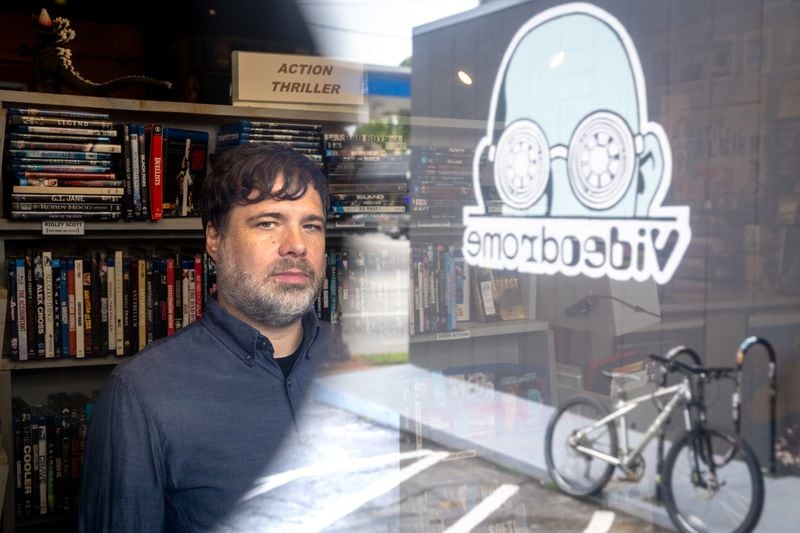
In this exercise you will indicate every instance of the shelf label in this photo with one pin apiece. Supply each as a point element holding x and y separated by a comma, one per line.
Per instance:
<point>62,227</point>
<point>262,77</point>
<point>353,224</point>
<point>423,224</point>
<point>451,335</point>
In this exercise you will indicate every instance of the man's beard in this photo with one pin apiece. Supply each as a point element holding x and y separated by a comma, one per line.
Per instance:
<point>265,301</point>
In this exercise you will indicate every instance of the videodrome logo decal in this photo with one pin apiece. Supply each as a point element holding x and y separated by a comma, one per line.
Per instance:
<point>581,171</point>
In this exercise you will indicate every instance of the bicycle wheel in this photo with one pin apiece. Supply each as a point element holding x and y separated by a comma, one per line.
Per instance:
<point>729,500</point>
<point>575,472</point>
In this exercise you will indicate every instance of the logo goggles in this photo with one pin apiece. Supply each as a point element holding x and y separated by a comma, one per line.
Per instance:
<point>601,159</point>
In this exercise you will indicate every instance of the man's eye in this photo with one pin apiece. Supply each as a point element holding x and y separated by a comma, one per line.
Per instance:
<point>267,224</point>
<point>314,227</point>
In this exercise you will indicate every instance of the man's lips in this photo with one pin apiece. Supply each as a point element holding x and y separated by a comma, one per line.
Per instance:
<point>291,276</point>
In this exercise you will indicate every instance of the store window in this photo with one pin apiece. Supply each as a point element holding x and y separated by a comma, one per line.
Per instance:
<point>590,184</point>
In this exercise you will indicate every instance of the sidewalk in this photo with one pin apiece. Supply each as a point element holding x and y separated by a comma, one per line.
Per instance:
<point>506,430</point>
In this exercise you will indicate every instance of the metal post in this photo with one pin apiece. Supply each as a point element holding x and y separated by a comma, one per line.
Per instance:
<point>748,343</point>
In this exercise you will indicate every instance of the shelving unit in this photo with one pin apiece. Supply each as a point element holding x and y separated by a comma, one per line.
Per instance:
<point>525,344</point>
<point>34,379</point>
<point>520,347</point>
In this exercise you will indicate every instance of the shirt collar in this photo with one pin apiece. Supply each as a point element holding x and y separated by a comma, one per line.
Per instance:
<point>244,340</point>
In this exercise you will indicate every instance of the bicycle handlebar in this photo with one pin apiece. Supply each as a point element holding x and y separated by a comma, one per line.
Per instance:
<point>715,372</point>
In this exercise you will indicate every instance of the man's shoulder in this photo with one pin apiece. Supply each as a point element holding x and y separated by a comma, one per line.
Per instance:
<point>168,357</point>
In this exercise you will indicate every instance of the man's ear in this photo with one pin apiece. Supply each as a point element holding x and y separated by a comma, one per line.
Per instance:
<point>212,241</point>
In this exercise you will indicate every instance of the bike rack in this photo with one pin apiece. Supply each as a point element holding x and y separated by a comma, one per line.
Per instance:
<point>674,352</point>
<point>748,343</point>
<point>678,350</point>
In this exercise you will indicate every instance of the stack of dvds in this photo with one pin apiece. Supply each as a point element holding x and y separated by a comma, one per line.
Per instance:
<point>62,165</point>
<point>442,184</point>
<point>303,138</point>
<point>367,175</point>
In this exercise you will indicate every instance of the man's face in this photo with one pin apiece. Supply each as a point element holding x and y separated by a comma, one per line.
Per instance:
<point>271,259</point>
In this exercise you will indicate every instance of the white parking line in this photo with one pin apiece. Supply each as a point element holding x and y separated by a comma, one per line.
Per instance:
<point>601,522</point>
<point>347,505</point>
<point>480,512</point>
<point>268,483</point>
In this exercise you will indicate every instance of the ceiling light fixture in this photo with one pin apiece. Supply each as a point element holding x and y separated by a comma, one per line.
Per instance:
<point>557,59</point>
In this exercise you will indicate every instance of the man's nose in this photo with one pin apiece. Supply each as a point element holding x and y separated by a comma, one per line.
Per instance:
<point>293,242</point>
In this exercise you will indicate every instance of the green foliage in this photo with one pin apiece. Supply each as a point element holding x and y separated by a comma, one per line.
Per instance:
<point>391,358</point>
<point>382,126</point>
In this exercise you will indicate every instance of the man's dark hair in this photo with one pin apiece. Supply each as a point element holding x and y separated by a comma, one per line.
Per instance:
<point>237,172</point>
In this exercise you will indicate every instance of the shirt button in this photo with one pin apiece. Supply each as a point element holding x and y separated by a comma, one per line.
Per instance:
<point>288,382</point>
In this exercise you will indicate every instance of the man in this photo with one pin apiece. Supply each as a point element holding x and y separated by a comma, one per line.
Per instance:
<point>181,431</point>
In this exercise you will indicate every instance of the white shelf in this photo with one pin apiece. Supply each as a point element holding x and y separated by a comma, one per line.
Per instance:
<point>468,330</point>
<point>317,113</point>
<point>7,364</point>
<point>8,227</point>
<point>186,227</point>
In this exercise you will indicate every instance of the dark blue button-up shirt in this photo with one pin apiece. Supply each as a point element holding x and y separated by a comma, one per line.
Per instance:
<point>181,431</point>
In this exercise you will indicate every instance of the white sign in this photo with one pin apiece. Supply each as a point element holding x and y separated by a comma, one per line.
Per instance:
<point>452,335</point>
<point>260,77</point>
<point>62,227</point>
<point>581,170</point>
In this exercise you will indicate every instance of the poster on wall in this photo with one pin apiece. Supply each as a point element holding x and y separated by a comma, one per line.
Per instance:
<point>581,170</point>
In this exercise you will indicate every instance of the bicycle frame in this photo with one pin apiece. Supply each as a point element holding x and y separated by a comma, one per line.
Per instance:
<point>694,494</point>
<point>680,394</point>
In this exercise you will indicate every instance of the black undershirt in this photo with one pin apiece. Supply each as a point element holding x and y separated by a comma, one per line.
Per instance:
<point>286,363</point>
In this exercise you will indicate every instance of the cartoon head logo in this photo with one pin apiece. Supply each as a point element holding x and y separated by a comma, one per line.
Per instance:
<point>581,171</point>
